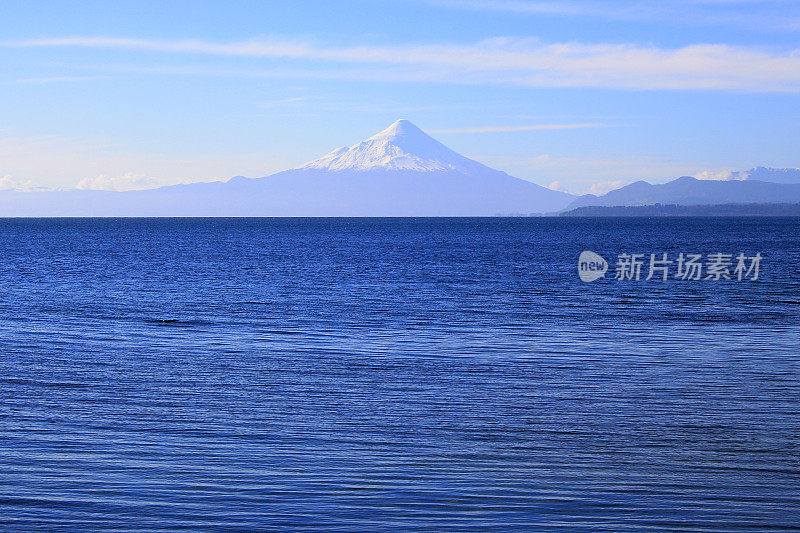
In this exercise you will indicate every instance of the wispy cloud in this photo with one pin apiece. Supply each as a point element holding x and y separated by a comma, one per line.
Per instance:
<point>768,14</point>
<point>506,61</point>
<point>51,79</point>
<point>533,127</point>
<point>533,8</point>
<point>284,102</point>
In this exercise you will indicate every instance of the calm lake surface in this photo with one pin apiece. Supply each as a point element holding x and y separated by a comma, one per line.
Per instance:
<point>394,374</point>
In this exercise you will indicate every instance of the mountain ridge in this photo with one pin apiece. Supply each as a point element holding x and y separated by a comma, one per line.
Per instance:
<point>688,190</point>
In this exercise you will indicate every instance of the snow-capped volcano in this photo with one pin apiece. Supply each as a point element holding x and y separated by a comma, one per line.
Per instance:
<point>398,172</point>
<point>401,146</point>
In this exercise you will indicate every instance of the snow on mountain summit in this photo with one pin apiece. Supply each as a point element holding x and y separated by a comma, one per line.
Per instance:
<point>401,146</point>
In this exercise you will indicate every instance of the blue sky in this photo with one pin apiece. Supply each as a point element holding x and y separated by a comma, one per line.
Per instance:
<point>588,94</point>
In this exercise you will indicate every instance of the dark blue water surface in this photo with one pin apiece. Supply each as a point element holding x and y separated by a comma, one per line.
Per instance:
<point>394,374</point>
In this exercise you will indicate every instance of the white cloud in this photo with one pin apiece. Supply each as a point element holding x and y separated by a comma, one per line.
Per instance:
<point>556,186</point>
<point>603,187</point>
<point>508,61</point>
<point>125,182</point>
<point>8,183</point>
<point>715,175</point>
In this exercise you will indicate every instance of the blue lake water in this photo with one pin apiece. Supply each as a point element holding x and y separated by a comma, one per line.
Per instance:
<point>394,374</point>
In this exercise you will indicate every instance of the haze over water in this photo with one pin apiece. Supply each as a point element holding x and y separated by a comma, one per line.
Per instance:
<point>394,374</point>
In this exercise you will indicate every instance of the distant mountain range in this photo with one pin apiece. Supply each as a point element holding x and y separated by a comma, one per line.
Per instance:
<point>691,191</point>
<point>710,210</point>
<point>400,171</point>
